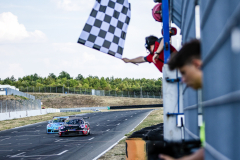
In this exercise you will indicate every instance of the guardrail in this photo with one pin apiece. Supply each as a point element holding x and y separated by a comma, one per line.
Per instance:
<point>137,106</point>
<point>109,108</point>
<point>83,109</point>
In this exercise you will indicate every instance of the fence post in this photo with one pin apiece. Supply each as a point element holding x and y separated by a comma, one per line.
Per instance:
<point>33,89</point>
<point>134,94</point>
<point>45,89</point>
<point>19,106</point>
<point>74,90</point>
<point>1,106</point>
<point>27,89</point>
<point>50,90</point>
<point>68,90</point>
<point>6,105</point>
<point>109,92</point>
<point>39,90</point>
<point>85,90</point>
<point>122,93</point>
<point>56,89</point>
<point>115,94</point>
<point>15,106</point>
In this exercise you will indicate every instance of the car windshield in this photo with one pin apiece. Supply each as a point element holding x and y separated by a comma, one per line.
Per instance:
<point>74,121</point>
<point>58,120</point>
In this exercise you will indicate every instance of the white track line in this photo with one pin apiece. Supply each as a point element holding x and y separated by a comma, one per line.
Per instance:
<point>108,149</point>
<point>59,154</point>
<point>5,139</point>
<point>108,130</point>
<point>141,121</point>
<point>18,154</point>
<point>91,138</point>
<point>23,156</point>
<point>118,140</point>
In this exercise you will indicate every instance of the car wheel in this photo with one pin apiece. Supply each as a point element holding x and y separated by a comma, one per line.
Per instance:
<point>89,132</point>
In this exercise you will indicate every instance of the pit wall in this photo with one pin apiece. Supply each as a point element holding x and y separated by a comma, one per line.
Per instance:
<point>29,113</point>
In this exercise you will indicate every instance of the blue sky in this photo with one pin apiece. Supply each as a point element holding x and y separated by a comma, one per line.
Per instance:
<point>40,37</point>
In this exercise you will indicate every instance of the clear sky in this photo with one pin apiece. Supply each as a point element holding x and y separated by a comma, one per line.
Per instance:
<point>41,36</point>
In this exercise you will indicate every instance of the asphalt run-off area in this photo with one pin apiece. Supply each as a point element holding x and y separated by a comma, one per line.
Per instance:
<point>32,142</point>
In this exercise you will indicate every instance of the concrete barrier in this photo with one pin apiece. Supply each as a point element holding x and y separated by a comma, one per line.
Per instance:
<point>28,113</point>
<point>137,106</point>
<point>83,109</point>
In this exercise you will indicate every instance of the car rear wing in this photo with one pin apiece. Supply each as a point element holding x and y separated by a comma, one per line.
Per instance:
<point>79,117</point>
<point>60,117</point>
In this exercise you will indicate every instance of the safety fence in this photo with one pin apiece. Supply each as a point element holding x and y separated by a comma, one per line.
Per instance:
<point>76,90</point>
<point>10,91</point>
<point>19,105</point>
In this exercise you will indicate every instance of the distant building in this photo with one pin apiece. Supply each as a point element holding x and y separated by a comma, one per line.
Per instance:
<point>8,86</point>
<point>4,87</point>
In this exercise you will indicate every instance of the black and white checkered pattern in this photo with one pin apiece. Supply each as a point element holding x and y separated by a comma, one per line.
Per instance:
<point>106,27</point>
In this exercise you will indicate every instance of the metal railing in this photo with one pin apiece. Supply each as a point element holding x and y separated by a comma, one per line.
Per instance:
<point>10,91</point>
<point>19,105</point>
<point>76,90</point>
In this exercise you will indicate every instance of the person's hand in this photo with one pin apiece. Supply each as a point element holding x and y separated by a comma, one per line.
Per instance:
<point>126,60</point>
<point>156,56</point>
<point>165,157</point>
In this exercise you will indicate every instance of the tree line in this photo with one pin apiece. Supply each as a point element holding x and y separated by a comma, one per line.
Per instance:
<point>90,82</point>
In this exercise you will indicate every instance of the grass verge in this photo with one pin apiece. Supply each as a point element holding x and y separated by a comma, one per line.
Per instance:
<point>8,124</point>
<point>118,151</point>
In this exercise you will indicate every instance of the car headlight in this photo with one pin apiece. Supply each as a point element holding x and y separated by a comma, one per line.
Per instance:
<point>62,127</point>
<point>49,125</point>
<point>82,126</point>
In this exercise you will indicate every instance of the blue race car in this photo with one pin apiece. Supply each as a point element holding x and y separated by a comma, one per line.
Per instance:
<point>53,126</point>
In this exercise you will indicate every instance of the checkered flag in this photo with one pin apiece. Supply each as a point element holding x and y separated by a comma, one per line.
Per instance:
<point>106,27</point>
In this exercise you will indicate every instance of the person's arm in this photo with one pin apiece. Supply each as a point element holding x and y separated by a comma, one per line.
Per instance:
<point>198,155</point>
<point>159,50</point>
<point>135,60</point>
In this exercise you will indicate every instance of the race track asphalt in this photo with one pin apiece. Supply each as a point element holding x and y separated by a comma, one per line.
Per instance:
<point>32,143</point>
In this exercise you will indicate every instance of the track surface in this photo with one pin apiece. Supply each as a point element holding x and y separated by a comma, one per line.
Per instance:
<point>32,142</point>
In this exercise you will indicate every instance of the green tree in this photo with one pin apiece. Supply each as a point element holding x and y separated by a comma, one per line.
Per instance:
<point>64,74</point>
<point>7,81</point>
<point>103,83</point>
<point>12,79</point>
<point>52,75</point>
<point>79,77</point>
